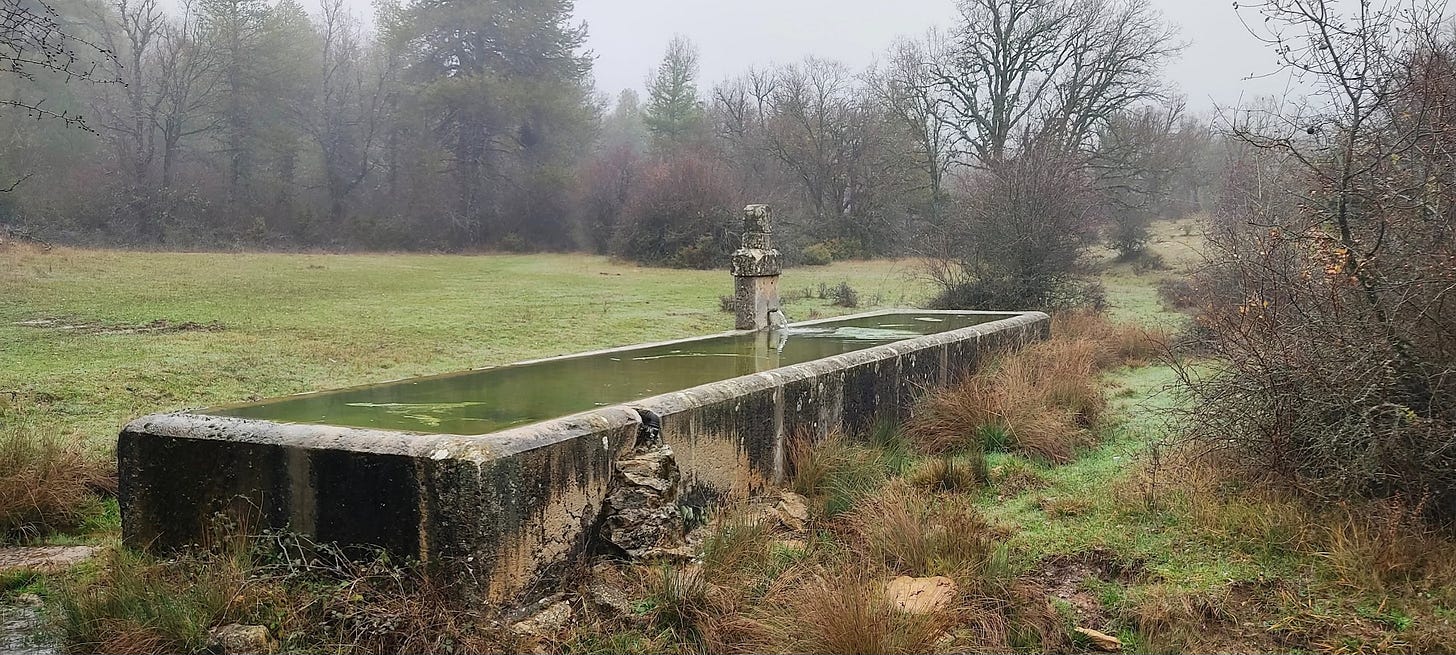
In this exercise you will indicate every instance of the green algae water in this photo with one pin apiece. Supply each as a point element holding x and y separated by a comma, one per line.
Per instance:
<point>493,399</point>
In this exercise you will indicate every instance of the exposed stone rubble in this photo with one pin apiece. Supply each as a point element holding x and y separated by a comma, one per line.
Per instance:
<point>239,639</point>
<point>640,515</point>
<point>784,510</point>
<point>546,623</point>
<point>792,511</point>
<point>604,593</point>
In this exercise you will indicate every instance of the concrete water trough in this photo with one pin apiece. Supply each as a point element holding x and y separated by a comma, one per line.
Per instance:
<point>474,474</point>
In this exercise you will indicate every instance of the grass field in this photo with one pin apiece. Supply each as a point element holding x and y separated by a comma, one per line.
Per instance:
<point>92,339</point>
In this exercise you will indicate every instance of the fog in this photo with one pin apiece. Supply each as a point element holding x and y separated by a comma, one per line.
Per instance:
<point>628,38</point>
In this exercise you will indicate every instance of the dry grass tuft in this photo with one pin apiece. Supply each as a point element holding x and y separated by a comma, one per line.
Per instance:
<point>1042,400</point>
<point>947,473</point>
<point>45,485</point>
<point>1118,344</point>
<point>835,472</point>
<point>313,597</point>
<point>848,613</point>
<point>1387,546</point>
<point>1173,619</point>
<point>922,534</point>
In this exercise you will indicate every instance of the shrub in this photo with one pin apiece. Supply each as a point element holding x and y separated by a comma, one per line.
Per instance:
<point>842,249</point>
<point>1330,278</point>
<point>1179,293</point>
<point>1018,236</point>
<point>680,213</point>
<point>818,255</point>
<point>845,295</point>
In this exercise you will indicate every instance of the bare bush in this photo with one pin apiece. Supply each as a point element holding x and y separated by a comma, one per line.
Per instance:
<point>1018,236</point>
<point>679,214</point>
<point>1330,274</point>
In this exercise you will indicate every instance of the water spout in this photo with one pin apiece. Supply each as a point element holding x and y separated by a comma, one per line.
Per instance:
<point>776,319</point>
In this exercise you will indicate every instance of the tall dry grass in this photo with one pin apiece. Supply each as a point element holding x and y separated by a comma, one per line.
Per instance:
<point>313,598</point>
<point>1042,400</point>
<point>1358,549</point>
<point>45,484</point>
<point>916,533</point>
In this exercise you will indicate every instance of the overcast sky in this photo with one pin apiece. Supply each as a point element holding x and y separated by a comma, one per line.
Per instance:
<point>629,36</point>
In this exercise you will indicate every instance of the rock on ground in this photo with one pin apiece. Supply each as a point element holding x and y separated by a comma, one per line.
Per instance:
<point>239,639</point>
<point>793,511</point>
<point>546,624</point>
<point>46,559</point>
<point>1101,641</point>
<point>921,595</point>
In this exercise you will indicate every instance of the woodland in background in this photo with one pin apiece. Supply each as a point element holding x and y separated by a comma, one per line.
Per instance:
<point>253,124</point>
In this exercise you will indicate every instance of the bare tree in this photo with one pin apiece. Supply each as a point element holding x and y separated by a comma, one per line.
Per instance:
<point>906,88</point>
<point>348,108</point>
<point>1017,70</point>
<point>33,42</point>
<point>187,75</point>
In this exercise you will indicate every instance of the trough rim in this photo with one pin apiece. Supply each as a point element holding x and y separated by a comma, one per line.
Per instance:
<point>197,424</point>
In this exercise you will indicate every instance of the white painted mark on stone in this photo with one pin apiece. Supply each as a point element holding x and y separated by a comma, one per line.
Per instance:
<point>440,454</point>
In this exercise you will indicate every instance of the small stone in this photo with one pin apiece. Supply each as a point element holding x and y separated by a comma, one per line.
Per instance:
<point>793,511</point>
<point>46,559</point>
<point>1101,640</point>
<point>239,639</point>
<point>609,599</point>
<point>921,595</point>
<point>547,623</point>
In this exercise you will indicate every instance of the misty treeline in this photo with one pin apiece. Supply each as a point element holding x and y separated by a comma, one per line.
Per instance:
<point>469,125</point>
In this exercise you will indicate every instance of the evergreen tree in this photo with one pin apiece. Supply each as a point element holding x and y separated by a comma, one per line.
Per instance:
<point>675,114</point>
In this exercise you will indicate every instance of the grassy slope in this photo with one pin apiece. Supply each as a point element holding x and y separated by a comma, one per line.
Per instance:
<point>293,323</point>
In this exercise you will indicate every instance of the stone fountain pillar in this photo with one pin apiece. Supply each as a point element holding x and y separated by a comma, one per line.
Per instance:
<point>756,271</point>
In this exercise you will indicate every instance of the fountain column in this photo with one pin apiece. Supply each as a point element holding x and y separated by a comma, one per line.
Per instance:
<point>756,271</point>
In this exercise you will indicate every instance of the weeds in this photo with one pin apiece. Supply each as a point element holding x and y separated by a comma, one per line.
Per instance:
<point>311,596</point>
<point>918,534</point>
<point>1042,400</point>
<point>835,472</point>
<point>45,485</point>
<point>950,473</point>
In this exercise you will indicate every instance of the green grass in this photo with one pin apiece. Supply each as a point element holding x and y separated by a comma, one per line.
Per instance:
<point>1133,296</point>
<point>296,323</point>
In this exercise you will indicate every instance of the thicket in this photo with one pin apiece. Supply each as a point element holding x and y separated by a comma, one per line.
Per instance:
<point>1326,299</point>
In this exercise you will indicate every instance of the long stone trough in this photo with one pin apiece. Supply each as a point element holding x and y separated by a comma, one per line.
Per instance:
<point>496,509</point>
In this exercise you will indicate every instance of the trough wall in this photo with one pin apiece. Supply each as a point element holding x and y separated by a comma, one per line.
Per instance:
<point>494,511</point>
